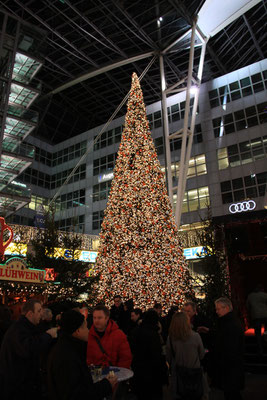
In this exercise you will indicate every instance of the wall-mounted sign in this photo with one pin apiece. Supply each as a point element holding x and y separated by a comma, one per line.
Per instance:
<point>80,255</point>
<point>15,269</point>
<point>105,177</point>
<point>243,206</point>
<point>194,252</point>
<point>15,249</point>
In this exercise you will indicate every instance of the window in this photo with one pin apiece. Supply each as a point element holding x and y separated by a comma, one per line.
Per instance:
<point>37,203</point>
<point>239,120</point>
<point>36,177</point>
<point>176,144</point>
<point>243,153</point>
<point>71,200</point>
<point>195,199</point>
<point>248,187</point>
<point>237,89</point>
<point>98,217</point>
<point>75,224</point>
<point>104,164</point>
<point>69,153</point>
<point>43,156</point>
<point>108,138</point>
<point>101,191</point>
<point>159,145</point>
<point>197,167</point>
<point>58,179</point>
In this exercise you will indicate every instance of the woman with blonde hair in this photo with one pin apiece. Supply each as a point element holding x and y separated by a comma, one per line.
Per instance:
<point>184,352</point>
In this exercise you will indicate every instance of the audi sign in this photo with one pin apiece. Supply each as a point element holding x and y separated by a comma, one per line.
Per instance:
<point>248,205</point>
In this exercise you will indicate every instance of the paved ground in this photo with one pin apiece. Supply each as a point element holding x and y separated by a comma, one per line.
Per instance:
<point>256,389</point>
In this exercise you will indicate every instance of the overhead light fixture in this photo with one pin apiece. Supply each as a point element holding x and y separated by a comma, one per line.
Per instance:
<point>160,19</point>
<point>194,89</point>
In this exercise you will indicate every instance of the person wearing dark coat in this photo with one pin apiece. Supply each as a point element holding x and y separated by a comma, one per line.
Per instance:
<point>117,312</point>
<point>5,321</point>
<point>20,355</point>
<point>228,362</point>
<point>149,364</point>
<point>68,376</point>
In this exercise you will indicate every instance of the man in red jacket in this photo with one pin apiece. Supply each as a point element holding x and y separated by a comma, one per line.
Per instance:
<point>107,344</point>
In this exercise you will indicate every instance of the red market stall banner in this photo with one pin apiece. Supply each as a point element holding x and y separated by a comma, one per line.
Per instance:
<point>16,270</point>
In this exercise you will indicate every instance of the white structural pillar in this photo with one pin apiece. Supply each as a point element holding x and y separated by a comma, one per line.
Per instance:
<point>185,149</point>
<point>186,133</point>
<point>166,129</point>
<point>182,182</point>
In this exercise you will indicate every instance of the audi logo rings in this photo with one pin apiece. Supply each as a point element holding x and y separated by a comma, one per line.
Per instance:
<point>248,205</point>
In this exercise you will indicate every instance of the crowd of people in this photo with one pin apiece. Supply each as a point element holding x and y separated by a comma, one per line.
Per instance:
<point>46,356</point>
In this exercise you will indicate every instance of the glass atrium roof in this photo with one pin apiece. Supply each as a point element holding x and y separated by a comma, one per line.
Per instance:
<point>5,177</point>
<point>12,163</point>
<point>21,112</point>
<point>22,95</point>
<point>11,145</point>
<point>25,68</point>
<point>14,197</point>
<point>16,128</point>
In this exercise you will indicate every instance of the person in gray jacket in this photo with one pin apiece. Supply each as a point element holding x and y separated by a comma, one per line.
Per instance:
<point>257,309</point>
<point>184,348</point>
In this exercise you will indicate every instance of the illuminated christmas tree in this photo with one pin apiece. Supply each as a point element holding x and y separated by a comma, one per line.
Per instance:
<point>139,255</point>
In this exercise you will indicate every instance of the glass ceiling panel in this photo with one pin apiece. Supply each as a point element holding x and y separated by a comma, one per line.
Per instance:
<point>17,189</point>
<point>21,95</point>
<point>18,149</point>
<point>24,68</point>
<point>10,144</point>
<point>5,178</point>
<point>20,112</point>
<point>17,128</point>
<point>7,204</point>
<point>12,163</point>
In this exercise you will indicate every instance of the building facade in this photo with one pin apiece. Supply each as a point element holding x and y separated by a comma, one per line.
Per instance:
<point>228,163</point>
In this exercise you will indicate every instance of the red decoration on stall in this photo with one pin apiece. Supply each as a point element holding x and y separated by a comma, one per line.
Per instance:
<point>50,274</point>
<point>4,245</point>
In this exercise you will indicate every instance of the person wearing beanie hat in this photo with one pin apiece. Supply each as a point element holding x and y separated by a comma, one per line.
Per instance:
<point>68,376</point>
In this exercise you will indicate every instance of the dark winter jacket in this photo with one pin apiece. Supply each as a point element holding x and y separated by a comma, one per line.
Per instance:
<point>19,360</point>
<point>149,365</point>
<point>228,363</point>
<point>68,376</point>
<point>117,314</point>
<point>115,345</point>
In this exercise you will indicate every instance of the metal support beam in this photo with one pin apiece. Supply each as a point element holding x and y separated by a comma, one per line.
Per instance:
<point>253,37</point>
<point>185,133</point>
<point>182,176</point>
<point>99,71</point>
<point>182,185</point>
<point>166,129</point>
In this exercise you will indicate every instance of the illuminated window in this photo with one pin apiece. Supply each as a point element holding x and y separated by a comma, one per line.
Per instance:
<point>195,199</point>
<point>197,166</point>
